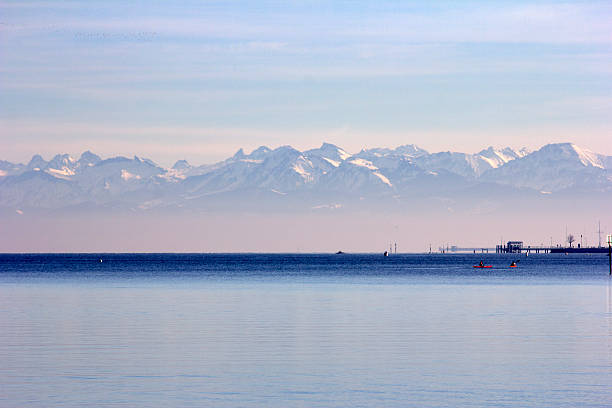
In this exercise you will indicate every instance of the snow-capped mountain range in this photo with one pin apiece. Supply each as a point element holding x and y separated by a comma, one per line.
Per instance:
<point>326,177</point>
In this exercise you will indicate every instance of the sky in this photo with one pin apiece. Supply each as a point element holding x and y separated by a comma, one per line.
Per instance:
<point>199,80</point>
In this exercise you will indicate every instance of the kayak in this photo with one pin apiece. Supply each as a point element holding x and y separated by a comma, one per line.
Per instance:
<point>512,266</point>
<point>483,266</point>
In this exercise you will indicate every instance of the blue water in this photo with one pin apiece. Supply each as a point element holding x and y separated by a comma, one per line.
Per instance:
<point>293,330</point>
<point>301,268</point>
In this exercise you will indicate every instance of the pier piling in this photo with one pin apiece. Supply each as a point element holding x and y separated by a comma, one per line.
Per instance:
<point>609,239</point>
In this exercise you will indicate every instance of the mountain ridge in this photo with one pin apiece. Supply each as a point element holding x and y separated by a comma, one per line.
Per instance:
<point>403,174</point>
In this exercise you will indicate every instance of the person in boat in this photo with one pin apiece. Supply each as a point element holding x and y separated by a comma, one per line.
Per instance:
<point>481,264</point>
<point>513,263</point>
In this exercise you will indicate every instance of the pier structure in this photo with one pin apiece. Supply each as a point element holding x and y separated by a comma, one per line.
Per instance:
<point>517,247</point>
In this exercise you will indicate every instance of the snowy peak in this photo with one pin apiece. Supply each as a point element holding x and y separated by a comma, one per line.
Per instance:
<point>37,163</point>
<point>554,167</point>
<point>505,154</point>
<point>571,153</point>
<point>356,175</point>
<point>259,154</point>
<point>89,159</point>
<point>281,170</point>
<point>469,165</point>
<point>239,154</point>
<point>62,165</point>
<point>411,150</point>
<point>522,152</point>
<point>497,157</point>
<point>61,160</point>
<point>331,153</point>
<point>408,151</point>
<point>459,163</point>
<point>363,163</point>
<point>8,168</point>
<point>588,158</point>
<point>146,161</point>
<point>182,165</point>
<point>292,163</point>
<point>285,150</point>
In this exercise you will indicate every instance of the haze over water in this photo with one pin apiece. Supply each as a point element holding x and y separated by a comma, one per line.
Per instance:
<point>292,330</point>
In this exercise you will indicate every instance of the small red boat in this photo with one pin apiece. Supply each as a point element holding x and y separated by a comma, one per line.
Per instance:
<point>482,266</point>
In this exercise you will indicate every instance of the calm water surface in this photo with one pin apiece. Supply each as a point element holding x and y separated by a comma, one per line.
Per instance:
<point>165,330</point>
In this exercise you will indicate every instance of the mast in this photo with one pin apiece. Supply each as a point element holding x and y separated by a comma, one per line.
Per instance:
<point>599,232</point>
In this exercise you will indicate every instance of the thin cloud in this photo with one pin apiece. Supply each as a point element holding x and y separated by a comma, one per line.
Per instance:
<point>548,23</point>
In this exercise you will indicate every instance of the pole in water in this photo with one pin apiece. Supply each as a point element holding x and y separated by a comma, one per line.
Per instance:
<point>609,239</point>
<point>610,257</point>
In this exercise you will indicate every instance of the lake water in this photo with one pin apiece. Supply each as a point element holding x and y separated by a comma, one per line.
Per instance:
<point>251,330</point>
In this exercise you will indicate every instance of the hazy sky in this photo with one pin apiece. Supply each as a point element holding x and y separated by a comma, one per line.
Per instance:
<point>198,80</point>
